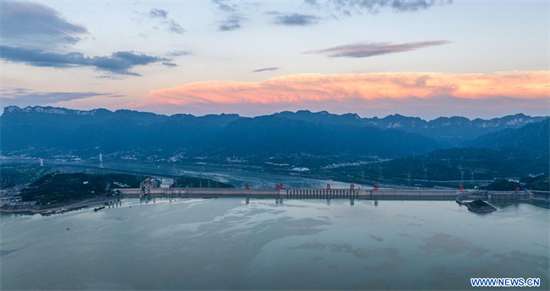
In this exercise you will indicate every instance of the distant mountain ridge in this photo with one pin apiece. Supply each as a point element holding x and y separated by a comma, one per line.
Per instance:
<point>390,121</point>
<point>450,131</point>
<point>454,130</point>
<point>52,110</point>
<point>507,153</point>
<point>533,137</point>
<point>50,130</point>
<point>273,134</point>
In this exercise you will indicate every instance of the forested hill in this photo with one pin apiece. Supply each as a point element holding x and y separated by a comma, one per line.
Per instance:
<point>43,131</point>
<point>508,153</point>
<point>448,131</point>
<point>50,131</point>
<point>533,137</point>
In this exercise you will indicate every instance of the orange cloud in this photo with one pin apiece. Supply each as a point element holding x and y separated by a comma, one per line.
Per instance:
<point>304,88</point>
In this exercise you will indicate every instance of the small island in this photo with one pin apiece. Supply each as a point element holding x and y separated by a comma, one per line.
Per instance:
<point>479,206</point>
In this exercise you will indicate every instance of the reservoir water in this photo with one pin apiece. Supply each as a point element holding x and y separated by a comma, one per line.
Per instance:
<point>300,244</point>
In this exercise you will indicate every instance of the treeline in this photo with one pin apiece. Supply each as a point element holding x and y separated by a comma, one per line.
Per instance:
<point>538,183</point>
<point>57,187</point>
<point>13,175</point>
<point>66,187</point>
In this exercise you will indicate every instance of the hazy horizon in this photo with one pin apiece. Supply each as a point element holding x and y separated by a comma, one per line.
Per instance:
<point>277,112</point>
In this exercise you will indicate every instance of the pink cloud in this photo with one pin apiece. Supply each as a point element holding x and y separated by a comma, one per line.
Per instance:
<point>300,90</point>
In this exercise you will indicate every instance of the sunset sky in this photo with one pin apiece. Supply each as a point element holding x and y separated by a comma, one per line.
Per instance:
<point>418,58</point>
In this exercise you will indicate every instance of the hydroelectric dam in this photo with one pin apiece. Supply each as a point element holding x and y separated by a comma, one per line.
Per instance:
<point>312,193</point>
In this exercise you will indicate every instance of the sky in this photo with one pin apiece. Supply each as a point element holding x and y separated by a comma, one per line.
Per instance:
<point>425,58</point>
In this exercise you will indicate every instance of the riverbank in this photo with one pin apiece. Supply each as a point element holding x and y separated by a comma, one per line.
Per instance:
<point>29,207</point>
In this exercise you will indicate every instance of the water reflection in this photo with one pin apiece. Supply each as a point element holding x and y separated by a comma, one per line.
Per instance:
<point>265,244</point>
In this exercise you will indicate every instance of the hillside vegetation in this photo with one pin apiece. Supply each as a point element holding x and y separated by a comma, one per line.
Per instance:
<point>346,147</point>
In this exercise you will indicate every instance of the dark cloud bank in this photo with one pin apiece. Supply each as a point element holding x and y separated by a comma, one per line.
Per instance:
<point>33,33</point>
<point>25,97</point>
<point>170,24</point>
<point>118,63</point>
<point>28,23</point>
<point>349,7</point>
<point>296,19</point>
<point>364,50</point>
<point>266,69</point>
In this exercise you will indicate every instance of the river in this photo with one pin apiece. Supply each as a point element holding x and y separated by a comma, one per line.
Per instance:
<point>300,244</point>
<point>234,176</point>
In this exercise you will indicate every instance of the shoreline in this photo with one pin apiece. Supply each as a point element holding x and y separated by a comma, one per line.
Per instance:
<point>76,205</point>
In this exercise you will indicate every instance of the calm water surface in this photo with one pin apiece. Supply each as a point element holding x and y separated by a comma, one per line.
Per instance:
<point>301,244</point>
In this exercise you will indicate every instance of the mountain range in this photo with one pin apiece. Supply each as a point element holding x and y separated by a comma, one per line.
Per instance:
<point>448,131</point>
<point>50,131</point>
<point>518,152</point>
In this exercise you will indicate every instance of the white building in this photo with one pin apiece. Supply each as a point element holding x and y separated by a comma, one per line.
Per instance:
<point>166,182</point>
